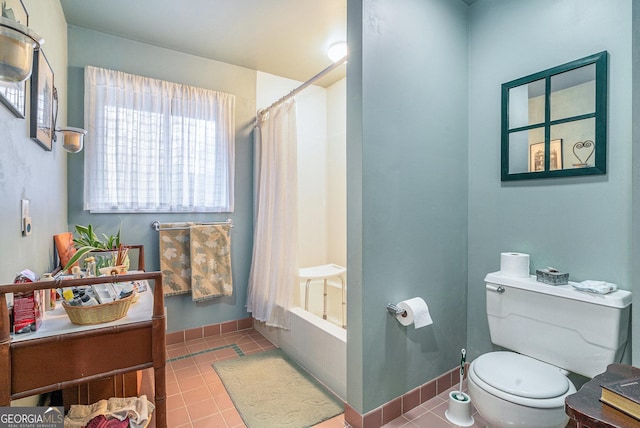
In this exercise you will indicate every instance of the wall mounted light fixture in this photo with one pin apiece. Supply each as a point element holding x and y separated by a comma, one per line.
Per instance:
<point>17,44</point>
<point>72,138</point>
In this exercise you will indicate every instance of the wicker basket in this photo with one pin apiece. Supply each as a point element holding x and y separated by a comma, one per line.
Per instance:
<point>98,314</point>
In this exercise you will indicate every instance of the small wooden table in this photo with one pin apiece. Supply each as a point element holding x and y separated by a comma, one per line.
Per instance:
<point>60,355</point>
<point>587,410</point>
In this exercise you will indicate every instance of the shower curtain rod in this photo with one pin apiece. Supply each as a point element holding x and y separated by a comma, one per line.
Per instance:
<point>293,93</point>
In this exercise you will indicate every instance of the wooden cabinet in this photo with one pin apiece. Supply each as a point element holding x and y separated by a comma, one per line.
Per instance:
<point>124,385</point>
<point>60,356</point>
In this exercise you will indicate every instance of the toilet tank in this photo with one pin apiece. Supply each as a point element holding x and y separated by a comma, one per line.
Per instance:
<point>578,331</point>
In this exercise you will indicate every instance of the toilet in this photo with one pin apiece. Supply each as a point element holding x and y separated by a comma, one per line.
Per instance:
<point>548,331</point>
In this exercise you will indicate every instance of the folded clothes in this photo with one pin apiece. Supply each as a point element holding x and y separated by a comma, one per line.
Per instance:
<point>101,421</point>
<point>591,286</point>
<point>136,411</point>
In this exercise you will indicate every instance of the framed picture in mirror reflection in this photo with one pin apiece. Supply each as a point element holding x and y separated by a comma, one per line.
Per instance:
<point>537,156</point>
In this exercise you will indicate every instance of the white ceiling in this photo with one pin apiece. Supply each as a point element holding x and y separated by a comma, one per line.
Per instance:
<point>287,38</point>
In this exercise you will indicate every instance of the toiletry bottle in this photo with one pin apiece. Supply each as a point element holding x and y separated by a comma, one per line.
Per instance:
<point>88,300</point>
<point>77,273</point>
<point>90,266</point>
<point>49,294</point>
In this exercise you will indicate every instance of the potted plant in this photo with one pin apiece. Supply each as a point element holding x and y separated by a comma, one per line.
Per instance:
<point>87,241</point>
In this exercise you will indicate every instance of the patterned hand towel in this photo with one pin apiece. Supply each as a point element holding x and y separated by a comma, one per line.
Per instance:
<point>210,252</point>
<point>174,260</point>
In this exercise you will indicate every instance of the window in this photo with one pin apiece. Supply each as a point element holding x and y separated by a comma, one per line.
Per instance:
<point>156,146</point>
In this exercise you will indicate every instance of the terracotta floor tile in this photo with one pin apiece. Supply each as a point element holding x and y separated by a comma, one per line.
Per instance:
<point>175,401</point>
<point>397,423</point>
<point>440,409</point>
<point>202,409</point>
<point>196,395</point>
<point>416,412</point>
<point>206,368</point>
<point>250,346</point>
<point>177,417</point>
<point>179,352</point>
<point>197,347</point>
<point>187,372</point>
<point>232,417</point>
<point>170,377</point>
<point>431,420</point>
<point>337,422</point>
<point>434,402</point>
<point>225,353</point>
<point>207,357</point>
<point>224,402</point>
<point>213,421</point>
<point>216,342</point>
<point>173,388</point>
<point>211,378</point>
<point>181,364</point>
<point>217,389</point>
<point>191,383</point>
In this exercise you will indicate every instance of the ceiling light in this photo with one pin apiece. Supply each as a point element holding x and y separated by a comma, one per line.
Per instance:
<point>337,51</point>
<point>17,44</point>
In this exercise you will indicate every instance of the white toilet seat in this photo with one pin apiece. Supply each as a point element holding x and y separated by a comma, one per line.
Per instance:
<point>520,379</point>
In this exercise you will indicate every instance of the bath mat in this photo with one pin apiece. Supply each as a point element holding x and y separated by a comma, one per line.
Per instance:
<point>270,390</point>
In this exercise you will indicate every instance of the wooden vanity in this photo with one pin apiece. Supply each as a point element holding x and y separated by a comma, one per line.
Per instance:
<point>60,354</point>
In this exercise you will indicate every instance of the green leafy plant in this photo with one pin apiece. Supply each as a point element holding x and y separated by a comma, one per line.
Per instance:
<point>86,240</point>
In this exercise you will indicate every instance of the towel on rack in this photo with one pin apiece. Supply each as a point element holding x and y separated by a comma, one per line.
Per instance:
<point>174,260</point>
<point>210,253</point>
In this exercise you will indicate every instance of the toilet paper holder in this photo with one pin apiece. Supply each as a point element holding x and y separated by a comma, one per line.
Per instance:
<point>396,310</point>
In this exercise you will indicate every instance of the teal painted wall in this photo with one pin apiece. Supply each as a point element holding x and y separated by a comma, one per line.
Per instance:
<point>635,195</point>
<point>93,48</point>
<point>27,170</point>
<point>579,225</point>
<point>407,192</point>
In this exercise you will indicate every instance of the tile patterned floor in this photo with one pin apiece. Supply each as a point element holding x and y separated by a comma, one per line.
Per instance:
<point>196,397</point>
<point>431,414</point>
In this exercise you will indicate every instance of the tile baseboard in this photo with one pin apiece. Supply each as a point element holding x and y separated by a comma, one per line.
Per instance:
<point>400,405</point>
<point>208,330</point>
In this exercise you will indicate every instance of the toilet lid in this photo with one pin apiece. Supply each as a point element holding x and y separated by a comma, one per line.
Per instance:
<point>520,375</point>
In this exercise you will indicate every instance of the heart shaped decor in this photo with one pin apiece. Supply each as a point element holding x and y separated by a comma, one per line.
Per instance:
<point>583,150</point>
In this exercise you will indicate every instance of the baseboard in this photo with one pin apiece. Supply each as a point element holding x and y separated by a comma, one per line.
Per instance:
<point>400,405</point>
<point>208,330</point>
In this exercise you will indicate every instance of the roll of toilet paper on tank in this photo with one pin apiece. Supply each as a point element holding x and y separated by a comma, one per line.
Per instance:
<point>515,265</point>
<point>416,313</point>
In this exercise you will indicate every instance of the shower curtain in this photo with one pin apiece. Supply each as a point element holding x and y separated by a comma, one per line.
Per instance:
<point>274,268</point>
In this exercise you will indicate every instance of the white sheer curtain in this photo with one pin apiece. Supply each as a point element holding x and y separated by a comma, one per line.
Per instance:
<point>156,146</point>
<point>274,269</point>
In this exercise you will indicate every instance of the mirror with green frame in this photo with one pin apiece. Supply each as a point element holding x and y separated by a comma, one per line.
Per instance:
<point>554,121</point>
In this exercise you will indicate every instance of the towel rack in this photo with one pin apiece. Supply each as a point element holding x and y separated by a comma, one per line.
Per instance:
<point>155,225</point>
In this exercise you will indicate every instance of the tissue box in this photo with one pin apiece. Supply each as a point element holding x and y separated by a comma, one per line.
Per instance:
<point>552,276</point>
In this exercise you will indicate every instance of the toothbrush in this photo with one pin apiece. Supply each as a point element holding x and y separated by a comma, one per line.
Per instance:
<point>459,395</point>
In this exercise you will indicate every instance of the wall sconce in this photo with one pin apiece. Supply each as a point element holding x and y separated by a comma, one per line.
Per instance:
<point>17,44</point>
<point>72,138</point>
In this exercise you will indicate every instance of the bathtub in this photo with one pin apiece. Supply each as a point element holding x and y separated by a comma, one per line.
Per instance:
<point>316,344</point>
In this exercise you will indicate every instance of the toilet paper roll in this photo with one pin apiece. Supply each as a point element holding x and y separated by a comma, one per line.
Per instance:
<point>416,313</point>
<point>515,265</point>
